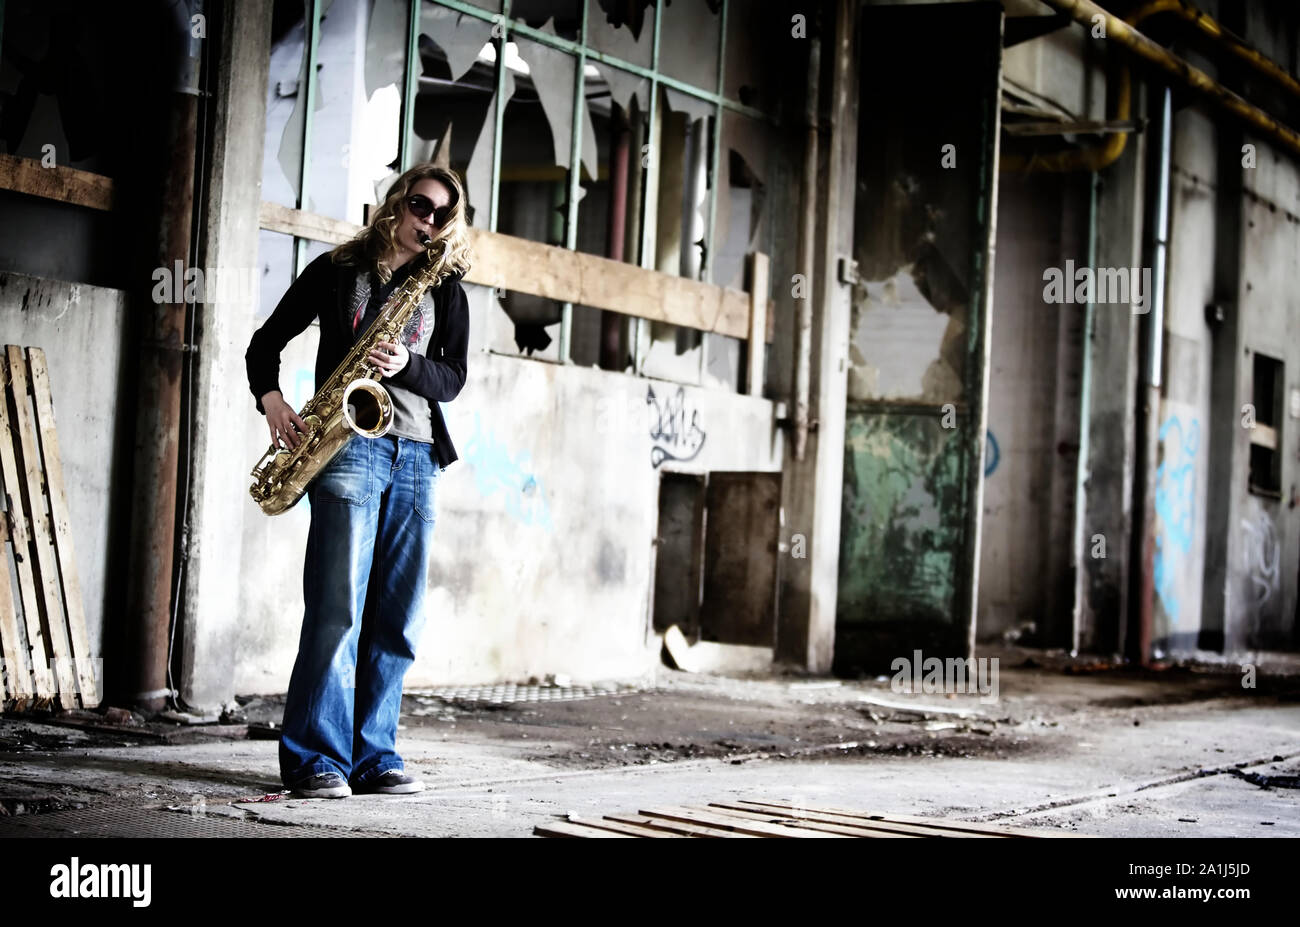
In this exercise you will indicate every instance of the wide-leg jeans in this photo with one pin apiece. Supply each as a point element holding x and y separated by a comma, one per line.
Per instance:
<point>364,579</point>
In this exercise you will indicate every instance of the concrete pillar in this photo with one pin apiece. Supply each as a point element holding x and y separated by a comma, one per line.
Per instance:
<point>813,487</point>
<point>228,244</point>
<point>1108,493</point>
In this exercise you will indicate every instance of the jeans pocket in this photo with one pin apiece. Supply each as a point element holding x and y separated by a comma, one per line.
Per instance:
<point>427,474</point>
<point>348,477</point>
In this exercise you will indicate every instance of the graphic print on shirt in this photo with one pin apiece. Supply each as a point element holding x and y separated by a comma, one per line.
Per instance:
<point>413,333</point>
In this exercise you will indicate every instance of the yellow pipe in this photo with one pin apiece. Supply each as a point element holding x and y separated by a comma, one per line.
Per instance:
<point>1125,34</point>
<point>1222,37</point>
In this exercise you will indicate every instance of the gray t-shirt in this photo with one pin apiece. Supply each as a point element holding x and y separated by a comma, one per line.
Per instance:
<point>410,410</point>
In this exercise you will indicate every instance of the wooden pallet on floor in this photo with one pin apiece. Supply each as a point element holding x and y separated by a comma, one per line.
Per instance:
<point>46,651</point>
<point>774,819</point>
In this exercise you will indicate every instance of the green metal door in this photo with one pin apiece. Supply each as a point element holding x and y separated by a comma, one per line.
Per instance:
<point>930,89</point>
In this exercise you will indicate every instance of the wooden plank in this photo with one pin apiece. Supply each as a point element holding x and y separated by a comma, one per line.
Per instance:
<point>557,273</point>
<point>303,224</point>
<point>717,819</point>
<point>61,518</point>
<point>679,828</point>
<point>817,822</point>
<point>18,672</point>
<point>565,829</point>
<point>81,188</point>
<point>988,830</point>
<point>861,827</point>
<point>42,680</point>
<point>758,286</point>
<point>45,567</point>
<point>620,827</point>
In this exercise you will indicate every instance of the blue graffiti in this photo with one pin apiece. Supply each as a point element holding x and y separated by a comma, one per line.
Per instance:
<point>992,454</point>
<point>496,470</point>
<point>1175,505</point>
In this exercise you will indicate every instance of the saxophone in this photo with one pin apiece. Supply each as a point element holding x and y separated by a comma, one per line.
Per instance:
<point>351,403</point>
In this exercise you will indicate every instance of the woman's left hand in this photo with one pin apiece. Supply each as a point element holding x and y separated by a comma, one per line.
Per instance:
<point>390,357</point>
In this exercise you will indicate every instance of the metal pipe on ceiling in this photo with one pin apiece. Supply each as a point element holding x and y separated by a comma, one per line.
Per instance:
<point>1124,33</point>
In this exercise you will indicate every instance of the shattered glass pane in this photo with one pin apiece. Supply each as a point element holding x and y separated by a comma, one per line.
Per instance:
<point>740,224</point>
<point>357,119</point>
<point>536,137</point>
<point>282,151</point>
<point>684,183</point>
<point>454,107</point>
<point>761,51</point>
<point>619,136</point>
<point>610,213</point>
<point>688,49</point>
<point>622,28</point>
<point>564,16</point>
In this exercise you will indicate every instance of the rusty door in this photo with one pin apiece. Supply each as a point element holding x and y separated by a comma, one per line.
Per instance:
<point>930,89</point>
<point>742,530</point>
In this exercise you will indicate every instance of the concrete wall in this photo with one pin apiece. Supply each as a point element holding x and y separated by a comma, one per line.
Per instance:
<point>1264,531</point>
<point>81,330</point>
<point>1184,416</point>
<point>542,549</point>
<point>1031,451</point>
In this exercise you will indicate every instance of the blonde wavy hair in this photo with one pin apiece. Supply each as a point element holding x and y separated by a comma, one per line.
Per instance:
<point>375,245</point>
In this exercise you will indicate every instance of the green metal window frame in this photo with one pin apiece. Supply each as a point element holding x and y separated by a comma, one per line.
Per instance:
<point>508,26</point>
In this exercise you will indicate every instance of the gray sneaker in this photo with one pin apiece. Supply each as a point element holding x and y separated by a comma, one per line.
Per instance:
<point>325,785</point>
<point>393,782</point>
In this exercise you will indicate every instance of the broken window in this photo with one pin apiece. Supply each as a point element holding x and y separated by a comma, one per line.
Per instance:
<point>1265,436</point>
<point>623,29</point>
<point>537,137</point>
<point>286,88</point>
<point>686,122</point>
<point>564,16</point>
<point>688,49</point>
<point>611,210</point>
<point>455,114</point>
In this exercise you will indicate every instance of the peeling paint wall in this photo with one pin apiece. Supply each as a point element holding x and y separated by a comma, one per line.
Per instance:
<point>1031,451</point>
<point>81,330</point>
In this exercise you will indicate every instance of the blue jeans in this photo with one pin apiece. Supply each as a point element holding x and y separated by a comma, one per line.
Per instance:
<point>367,565</point>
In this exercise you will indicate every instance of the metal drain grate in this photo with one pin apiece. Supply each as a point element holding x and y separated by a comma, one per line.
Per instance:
<point>118,821</point>
<point>508,693</point>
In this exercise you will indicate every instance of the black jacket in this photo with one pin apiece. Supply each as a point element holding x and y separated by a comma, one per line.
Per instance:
<point>321,291</point>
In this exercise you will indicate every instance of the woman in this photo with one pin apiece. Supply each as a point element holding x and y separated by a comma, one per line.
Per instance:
<point>372,507</point>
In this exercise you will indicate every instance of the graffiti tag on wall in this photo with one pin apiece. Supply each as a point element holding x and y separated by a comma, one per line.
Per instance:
<point>992,453</point>
<point>1261,556</point>
<point>497,470</point>
<point>1175,506</point>
<point>675,431</point>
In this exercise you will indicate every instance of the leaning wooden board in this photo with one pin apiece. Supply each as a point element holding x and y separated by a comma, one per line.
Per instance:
<point>774,819</point>
<point>47,653</point>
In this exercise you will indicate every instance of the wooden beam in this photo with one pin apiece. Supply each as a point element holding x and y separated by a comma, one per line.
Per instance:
<point>556,273</point>
<point>758,284</point>
<point>302,224</point>
<point>81,188</point>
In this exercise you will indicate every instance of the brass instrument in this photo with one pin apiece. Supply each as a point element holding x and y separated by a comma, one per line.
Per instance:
<point>350,403</point>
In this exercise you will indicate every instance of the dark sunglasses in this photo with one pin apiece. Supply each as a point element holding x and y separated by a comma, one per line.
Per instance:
<point>421,206</point>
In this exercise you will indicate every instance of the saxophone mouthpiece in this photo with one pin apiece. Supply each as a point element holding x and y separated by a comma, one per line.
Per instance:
<point>423,236</point>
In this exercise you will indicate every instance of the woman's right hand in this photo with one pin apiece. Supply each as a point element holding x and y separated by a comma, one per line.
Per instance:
<point>281,419</point>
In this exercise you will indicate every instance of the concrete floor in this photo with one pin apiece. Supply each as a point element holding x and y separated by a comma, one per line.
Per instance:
<point>1110,753</point>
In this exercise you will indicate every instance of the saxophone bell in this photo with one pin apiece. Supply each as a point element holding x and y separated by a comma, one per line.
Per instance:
<point>367,408</point>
